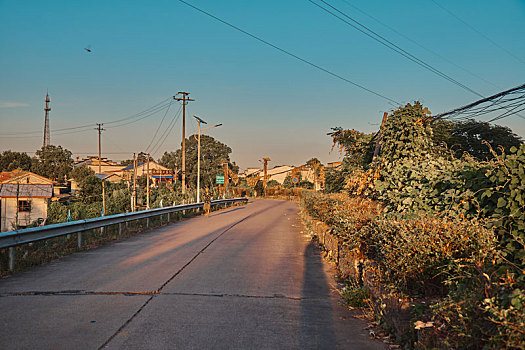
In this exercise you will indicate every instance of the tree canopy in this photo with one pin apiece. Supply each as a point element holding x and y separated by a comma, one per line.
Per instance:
<point>53,162</point>
<point>10,160</point>
<point>472,136</point>
<point>90,186</point>
<point>213,154</point>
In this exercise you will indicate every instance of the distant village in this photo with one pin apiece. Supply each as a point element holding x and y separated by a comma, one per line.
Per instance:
<point>25,196</point>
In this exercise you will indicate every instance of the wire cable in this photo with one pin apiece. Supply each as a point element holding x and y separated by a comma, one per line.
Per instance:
<point>370,33</point>
<point>389,44</point>
<point>142,117</point>
<point>167,132</point>
<point>289,53</point>
<point>158,128</point>
<point>159,106</point>
<point>147,110</point>
<point>477,31</point>
<point>421,45</point>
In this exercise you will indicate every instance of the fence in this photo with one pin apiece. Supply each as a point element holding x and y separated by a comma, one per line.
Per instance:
<point>12,239</point>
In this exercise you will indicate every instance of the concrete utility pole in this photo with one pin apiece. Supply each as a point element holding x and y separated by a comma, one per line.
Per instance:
<point>265,181</point>
<point>134,198</point>
<point>99,128</point>
<point>185,99</point>
<point>147,185</point>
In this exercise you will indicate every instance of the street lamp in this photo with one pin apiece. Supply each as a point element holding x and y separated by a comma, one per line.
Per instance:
<point>199,120</point>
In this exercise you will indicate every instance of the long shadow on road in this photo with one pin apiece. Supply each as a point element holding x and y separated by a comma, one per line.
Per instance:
<point>316,328</point>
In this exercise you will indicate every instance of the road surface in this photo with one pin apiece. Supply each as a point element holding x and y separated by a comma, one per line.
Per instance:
<point>244,278</point>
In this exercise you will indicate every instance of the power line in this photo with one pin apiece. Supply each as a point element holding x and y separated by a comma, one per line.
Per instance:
<point>142,117</point>
<point>420,45</point>
<point>382,40</point>
<point>156,132</point>
<point>491,104</point>
<point>139,113</point>
<point>167,132</point>
<point>477,31</point>
<point>370,33</point>
<point>148,112</point>
<point>289,53</point>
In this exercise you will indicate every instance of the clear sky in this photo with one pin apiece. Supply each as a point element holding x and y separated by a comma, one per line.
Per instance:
<point>270,104</point>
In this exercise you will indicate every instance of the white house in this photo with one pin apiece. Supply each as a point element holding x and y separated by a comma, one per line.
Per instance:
<point>24,197</point>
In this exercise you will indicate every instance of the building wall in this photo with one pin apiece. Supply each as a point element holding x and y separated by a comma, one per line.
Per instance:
<point>10,207</point>
<point>107,169</point>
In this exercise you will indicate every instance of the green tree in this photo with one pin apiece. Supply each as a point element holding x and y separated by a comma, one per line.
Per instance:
<point>213,154</point>
<point>272,183</point>
<point>313,162</point>
<point>53,162</point>
<point>335,180</point>
<point>472,136</point>
<point>306,184</point>
<point>90,186</point>
<point>357,147</point>
<point>406,133</point>
<point>141,158</point>
<point>10,160</point>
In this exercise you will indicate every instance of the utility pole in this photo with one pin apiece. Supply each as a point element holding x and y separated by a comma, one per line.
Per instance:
<point>199,120</point>
<point>134,198</point>
<point>99,128</point>
<point>185,99</point>
<point>147,185</point>
<point>378,142</point>
<point>226,176</point>
<point>266,160</point>
<point>17,204</point>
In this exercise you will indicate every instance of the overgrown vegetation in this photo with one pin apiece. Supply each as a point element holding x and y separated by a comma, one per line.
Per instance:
<point>444,228</point>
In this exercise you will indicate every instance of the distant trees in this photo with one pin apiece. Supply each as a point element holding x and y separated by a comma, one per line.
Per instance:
<point>90,186</point>
<point>141,158</point>
<point>472,136</point>
<point>213,154</point>
<point>335,180</point>
<point>10,160</point>
<point>53,162</point>
<point>272,183</point>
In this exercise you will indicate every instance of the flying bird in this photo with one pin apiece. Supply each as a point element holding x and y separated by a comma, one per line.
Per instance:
<point>88,49</point>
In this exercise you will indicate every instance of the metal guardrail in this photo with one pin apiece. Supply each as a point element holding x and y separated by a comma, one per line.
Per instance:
<point>10,239</point>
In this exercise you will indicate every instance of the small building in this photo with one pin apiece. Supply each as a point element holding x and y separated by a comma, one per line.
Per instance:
<point>157,172</point>
<point>24,197</point>
<point>106,166</point>
<point>279,173</point>
<point>335,165</point>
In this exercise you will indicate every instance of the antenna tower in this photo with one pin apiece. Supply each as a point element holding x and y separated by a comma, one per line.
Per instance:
<point>47,136</point>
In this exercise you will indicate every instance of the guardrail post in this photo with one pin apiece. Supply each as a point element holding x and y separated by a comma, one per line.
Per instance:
<point>12,256</point>
<point>168,218</point>
<point>127,211</point>
<point>147,222</point>
<point>120,229</point>
<point>79,240</point>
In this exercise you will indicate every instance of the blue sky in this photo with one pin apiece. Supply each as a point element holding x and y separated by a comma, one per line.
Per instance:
<point>270,104</point>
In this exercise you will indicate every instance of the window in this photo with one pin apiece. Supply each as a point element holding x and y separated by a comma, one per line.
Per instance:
<point>24,206</point>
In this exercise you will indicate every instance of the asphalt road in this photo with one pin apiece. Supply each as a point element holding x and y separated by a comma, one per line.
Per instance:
<point>244,278</point>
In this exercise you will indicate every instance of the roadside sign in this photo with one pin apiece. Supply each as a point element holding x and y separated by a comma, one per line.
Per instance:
<point>295,180</point>
<point>219,179</point>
